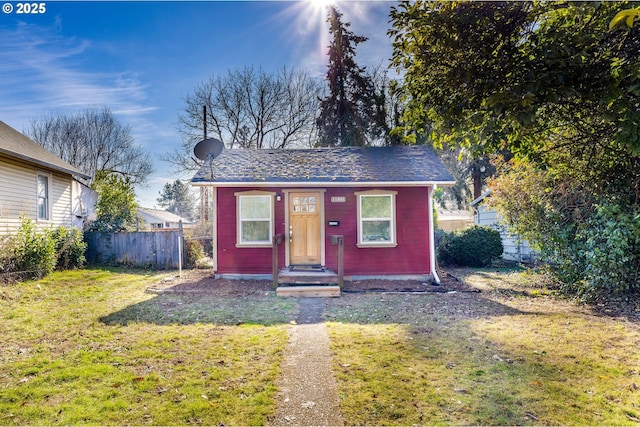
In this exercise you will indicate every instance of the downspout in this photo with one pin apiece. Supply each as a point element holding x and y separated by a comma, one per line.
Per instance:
<point>432,237</point>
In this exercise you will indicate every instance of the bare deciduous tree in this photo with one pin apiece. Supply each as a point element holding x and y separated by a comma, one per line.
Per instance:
<point>249,108</point>
<point>93,140</point>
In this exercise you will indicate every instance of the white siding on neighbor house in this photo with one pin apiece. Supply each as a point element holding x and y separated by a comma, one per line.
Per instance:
<point>83,200</point>
<point>18,195</point>
<point>515,249</point>
<point>61,213</point>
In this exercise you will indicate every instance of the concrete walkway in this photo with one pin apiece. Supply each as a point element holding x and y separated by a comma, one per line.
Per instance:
<point>308,395</point>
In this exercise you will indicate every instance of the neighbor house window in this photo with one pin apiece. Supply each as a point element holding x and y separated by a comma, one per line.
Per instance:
<point>376,218</point>
<point>255,218</point>
<point>43,196</point>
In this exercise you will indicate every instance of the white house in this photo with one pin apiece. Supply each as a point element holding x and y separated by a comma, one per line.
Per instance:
<point>37,184</point>
<point>515,248</point>
<point>156,219</point>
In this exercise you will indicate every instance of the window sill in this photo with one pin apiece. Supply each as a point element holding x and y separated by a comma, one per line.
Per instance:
<point>377,245</point>
<point>254,245</point>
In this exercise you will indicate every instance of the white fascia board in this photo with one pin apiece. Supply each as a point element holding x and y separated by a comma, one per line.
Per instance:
<point>325,184</point>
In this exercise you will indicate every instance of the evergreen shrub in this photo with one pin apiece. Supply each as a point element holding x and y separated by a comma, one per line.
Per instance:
<point>475,246</point>
<point>194,252</point>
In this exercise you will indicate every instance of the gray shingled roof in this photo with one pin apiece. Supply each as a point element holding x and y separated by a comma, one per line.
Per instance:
<point>327,166</point>
<point>15,144</point>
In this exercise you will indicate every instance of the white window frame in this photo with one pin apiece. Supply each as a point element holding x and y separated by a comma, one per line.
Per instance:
<point>254,244</point>
<point>48,177</point>
<point>360,195</point>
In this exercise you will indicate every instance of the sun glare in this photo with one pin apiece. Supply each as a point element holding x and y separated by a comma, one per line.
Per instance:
<point>320,5</point>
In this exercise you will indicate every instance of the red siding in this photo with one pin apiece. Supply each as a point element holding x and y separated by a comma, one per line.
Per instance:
<point>411,256</point>
<point>243,260</point>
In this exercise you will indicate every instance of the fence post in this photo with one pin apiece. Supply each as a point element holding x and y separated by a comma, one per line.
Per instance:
<point>180,256</point>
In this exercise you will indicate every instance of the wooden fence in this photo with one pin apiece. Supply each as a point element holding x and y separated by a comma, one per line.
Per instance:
<point>155,249</point>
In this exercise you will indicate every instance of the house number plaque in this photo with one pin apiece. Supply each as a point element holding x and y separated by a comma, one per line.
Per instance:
<point>338,199</point>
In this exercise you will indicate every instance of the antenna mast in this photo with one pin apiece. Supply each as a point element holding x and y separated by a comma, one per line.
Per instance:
<point>204,120</point>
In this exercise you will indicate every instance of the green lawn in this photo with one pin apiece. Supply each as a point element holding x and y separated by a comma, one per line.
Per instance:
<point>91,347</point>
<point>512,355</point>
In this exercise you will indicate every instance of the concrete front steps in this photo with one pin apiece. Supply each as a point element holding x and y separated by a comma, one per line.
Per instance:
<point>308,283</point>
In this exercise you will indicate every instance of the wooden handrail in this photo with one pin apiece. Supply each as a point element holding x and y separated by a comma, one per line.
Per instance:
<point>339,240</point>
<point>277,239</point>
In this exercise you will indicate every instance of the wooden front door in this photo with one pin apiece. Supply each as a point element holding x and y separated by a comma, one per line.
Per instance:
<point>305,227</point>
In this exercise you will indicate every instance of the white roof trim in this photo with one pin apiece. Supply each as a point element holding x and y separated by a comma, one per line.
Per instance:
<point>481,198</point>
<point>324,184</point>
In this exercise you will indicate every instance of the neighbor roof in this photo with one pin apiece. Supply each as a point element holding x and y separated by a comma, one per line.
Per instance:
<point>326,166</point>
<point>15,144</point>
<point>164,215</point>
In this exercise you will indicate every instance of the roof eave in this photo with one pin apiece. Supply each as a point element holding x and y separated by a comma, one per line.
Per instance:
<point>45,164</point>
<point>480,199</point>
<point>321,183</point>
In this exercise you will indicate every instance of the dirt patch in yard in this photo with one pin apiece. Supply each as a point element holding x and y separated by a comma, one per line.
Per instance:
<point>202,281</point>
<point>448,283</point>
<point>496,286</point>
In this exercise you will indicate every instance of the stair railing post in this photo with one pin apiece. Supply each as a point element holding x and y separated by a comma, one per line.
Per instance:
<point>277,239</point>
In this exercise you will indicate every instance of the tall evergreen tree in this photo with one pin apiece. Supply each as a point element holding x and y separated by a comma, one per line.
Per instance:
<point>177,198</point>
<point>350,113</point>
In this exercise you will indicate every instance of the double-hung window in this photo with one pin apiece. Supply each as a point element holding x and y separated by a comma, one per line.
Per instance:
<point>42,192</point>
<point>255,218</point>
<point>376,218</point>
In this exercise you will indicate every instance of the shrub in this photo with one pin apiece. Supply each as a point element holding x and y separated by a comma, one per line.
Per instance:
<point>33,251</point>
<point>609,254</point>
<point>476,246</point>
<point>194,252</point>
<point>70,248</point>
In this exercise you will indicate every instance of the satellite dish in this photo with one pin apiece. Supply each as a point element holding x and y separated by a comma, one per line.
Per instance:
<point>208,149</point>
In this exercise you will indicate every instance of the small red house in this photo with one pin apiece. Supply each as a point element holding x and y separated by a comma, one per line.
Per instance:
<point>379,199</point>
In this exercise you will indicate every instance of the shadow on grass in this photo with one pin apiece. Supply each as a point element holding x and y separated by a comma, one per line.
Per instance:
<point>204,301</point>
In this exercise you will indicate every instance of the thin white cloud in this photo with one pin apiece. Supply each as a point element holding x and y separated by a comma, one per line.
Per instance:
<point>42,71</point>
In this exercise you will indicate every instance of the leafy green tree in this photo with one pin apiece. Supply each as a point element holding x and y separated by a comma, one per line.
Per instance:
<point>486,74</point>
<point>547,82</point>
<point>176,197</point>
<point>592,240</point>
<point>353,112</point>
<point>116,207</point>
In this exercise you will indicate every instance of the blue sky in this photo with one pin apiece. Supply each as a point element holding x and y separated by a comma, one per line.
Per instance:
<point>141,59</point>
